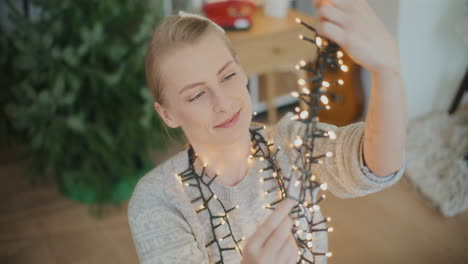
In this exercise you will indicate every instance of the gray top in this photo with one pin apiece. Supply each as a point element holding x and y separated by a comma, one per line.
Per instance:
<point>166,229</point>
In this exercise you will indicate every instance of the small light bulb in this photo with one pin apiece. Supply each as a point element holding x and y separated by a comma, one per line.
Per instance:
<point>344,68</point>
<point>309,236</point>
<point>304,114</point>
<point>330,229</point>
<point>309,244</point>
<point>340,61</point>
<point>262,158</point>
<point>305,90</point>
<point>326,84</point>
<point>324,99</point>
<point>301,37</point>
<point>332,135</point>
<point>318,40</point>
<point>329,254</point>
<point>328,219</point>
<point>261,180</point>
<point>329,154</point>
<point>255,113</point>
<point>339,54</point>
<point>323,186</point>
<point>295,94</point>
<point>297,183</point>
<point>298,20</point>
<point>298,141</point>
<point>237,206</point>
<point>274,174</point>
<point>301,82</point>
<point>302,63</point>
<point>299,232</point>
<point>215,197</point>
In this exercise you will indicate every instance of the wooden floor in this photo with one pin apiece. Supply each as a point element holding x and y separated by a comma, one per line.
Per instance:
<point>396,225</point>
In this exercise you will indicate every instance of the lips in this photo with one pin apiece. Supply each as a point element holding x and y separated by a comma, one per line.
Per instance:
<point>228,120</point>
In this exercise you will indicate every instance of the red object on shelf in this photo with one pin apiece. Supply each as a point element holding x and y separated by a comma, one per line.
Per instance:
<point>231,14</point>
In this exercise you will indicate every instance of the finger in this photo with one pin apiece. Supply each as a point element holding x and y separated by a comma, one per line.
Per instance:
<point>342,4</point>
<point>294,251</point>
<point>332,31</point>
<point>278,237</point>
<point>318,3</point>
<point>285,251</point>
<point>332,14</point>
<point>271,223</point>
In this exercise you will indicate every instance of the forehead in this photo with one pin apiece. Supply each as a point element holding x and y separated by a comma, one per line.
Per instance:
<point>194,62</point>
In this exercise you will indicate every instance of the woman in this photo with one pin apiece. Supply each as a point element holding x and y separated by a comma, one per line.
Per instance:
<point>198,84</point>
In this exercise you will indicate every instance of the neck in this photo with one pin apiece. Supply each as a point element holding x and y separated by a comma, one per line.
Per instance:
<point>229,161</point>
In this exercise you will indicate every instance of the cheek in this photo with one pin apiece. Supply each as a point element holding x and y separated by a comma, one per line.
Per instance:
<point>193,116</point>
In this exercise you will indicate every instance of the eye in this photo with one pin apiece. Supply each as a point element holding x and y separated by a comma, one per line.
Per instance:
<point>196,96</point>
<point>229,76</point>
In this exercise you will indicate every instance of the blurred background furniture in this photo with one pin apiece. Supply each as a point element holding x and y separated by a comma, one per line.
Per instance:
<point>459,95</point>
<point>271,45</point>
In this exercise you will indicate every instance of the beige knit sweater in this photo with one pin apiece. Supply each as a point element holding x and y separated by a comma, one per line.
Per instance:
<point>166,229</point>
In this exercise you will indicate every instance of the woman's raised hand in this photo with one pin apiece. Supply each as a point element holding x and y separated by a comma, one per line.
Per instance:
<point>273,241</point>
<point>356,28</point>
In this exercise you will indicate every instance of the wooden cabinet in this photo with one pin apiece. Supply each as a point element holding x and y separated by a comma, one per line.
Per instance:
<point>272,45</point>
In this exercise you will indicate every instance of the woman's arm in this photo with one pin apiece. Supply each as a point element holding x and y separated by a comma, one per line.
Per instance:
<point>344,172</point>
<point>386,120</point>
<point>355,27</point>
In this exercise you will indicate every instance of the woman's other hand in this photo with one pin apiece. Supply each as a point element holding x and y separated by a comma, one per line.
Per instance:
<point>273,241</point>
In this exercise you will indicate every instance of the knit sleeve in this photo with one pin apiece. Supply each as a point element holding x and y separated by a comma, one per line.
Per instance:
<point>159,230</point>
<point>345,173</point>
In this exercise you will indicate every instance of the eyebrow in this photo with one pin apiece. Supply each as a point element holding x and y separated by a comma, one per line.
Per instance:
<point>189,86</point>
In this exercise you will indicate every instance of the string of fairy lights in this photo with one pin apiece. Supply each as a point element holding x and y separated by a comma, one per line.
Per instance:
<point>315,93</point>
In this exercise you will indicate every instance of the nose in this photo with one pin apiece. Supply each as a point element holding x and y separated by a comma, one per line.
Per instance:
<point>221,102</point>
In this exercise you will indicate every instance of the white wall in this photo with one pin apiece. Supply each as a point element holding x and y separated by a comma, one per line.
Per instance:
<point>434,57</point>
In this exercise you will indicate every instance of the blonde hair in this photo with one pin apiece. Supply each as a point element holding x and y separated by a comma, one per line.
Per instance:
<point>172,32</point>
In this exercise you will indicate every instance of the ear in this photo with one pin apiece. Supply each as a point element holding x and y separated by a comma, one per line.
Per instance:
<point>165,116</point>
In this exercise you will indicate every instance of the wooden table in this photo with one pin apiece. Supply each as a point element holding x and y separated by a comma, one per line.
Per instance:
<point>271,45</point>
